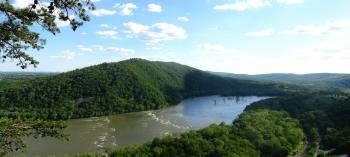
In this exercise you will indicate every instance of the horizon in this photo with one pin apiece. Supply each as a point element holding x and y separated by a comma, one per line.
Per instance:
<point>237,36</point>
<point>58,72</point>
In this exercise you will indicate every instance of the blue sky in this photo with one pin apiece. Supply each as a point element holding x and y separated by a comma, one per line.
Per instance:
<point>238,36</point>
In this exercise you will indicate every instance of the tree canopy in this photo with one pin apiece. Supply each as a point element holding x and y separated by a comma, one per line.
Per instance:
<point>16,25</point>
<point>13,131</point>
<point>113,88</point>
<point>16,37</point>
<point>324,118</point>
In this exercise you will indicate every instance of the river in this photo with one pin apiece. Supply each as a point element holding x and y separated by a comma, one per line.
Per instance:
<point>94,134</point>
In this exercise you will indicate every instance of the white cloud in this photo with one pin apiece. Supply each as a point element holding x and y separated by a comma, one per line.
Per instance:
<point>84,49</point>
<point>61,23</point>
<point>287,63</point>
<point>121,51</point>
<point>108,26</point>
<point>22,3</point>
<point>104,25</point>
<point>316,58</point>
<point>26,3</point>
<point>66,55</point>
<point>183,19</point>
<point>154,33</point>
<point>329,53</point>
<point>103,12</point>
<point>95,1</point>
<point>154,8</point>
<point>242,5</point>
<point>290,1</point>
<point>330,46</point>
<point>334,43</point>
<point>155,48</point>
<point>267,32</point>
<point>329,28</point>
<point>125,9</point>
<point>109,34</point>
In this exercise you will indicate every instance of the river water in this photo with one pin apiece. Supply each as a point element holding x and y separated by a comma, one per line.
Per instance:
<point>94,134</point>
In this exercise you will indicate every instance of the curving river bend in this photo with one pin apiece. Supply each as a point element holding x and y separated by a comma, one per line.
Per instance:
<point>93,134</point>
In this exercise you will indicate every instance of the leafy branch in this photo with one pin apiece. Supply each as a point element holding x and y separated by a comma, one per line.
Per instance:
<point>16,36</point>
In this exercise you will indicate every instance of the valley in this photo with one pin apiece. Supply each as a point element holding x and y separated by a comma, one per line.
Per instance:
<point>129,108</point>
<point>94,134</point>
<point>160,78</point>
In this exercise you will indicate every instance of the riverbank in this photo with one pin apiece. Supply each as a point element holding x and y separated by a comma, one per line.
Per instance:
<point>94,134</point>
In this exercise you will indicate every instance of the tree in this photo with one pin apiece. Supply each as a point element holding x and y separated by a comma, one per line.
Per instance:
<point>16,35</point>
<point>12,132</point>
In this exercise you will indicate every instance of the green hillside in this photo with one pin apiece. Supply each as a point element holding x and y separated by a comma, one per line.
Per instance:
<point>316,80</point>
<point>126,86</point>
<point>325,119</point>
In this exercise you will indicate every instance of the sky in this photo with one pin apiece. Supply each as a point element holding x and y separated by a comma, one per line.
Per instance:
<point>236,36</point>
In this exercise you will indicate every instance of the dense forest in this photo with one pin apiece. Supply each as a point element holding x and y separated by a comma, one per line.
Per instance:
<point>297,121</point>
<point>324,118</point>
<point>317,80</point>
<point>304,115</point>
<point>299,125</point>
<point>15,79</point>
<point>23,75</point>
<point>126,86</point>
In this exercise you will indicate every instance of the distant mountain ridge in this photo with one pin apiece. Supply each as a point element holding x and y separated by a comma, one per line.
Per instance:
<point>23,75</point>
<point>321,80</point>
<point>126,86</point>
<point>13,79</point>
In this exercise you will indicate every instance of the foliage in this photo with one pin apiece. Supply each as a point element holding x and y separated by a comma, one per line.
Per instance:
<point>127,86</point>
<point>273,133</point>
<point>312,151</point>
<point>15,26</point>
<point>255,133</point>
<point>15,79</point>
<point>13,131</point>
<point>16,37</point>
<point>23,75</point>
<point>339,139</point>
<point>324,118</point>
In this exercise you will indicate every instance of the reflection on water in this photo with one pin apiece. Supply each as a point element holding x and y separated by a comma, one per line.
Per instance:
<point>94,134</point>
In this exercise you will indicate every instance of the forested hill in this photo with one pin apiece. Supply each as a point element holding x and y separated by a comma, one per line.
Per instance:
<point>317,80</point>
<point>126,86</point>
